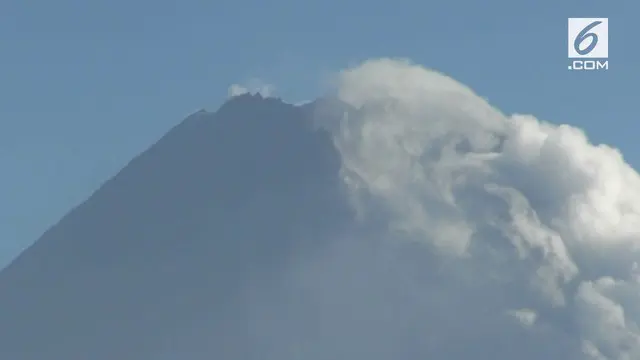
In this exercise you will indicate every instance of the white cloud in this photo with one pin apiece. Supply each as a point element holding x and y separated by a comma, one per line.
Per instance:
<point>526,317</point>
<point>483,236</point>
<point>532,210</point>
<point>254,86</point>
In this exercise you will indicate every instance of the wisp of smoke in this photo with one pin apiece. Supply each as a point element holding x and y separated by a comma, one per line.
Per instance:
<point>255,86</point>
<point>496,236</point>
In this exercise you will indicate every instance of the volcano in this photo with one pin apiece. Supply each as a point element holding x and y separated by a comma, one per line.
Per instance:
<point>158,259</point>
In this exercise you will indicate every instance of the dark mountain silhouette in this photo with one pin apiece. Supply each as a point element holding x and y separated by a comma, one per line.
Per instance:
<point>156,261</point>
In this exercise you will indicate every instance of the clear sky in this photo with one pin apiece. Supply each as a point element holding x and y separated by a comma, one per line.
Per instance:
<point>87,85</point>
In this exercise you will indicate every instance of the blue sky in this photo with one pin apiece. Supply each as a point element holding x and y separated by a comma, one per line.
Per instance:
<point>87,85</point>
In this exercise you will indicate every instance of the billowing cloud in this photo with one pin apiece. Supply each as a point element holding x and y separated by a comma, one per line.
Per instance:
<point>547,222</point>
<point>254,86</point>
<point>480,235</point>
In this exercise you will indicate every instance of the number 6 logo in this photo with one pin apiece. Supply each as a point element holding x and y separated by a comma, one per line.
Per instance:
<point>584,35</point>
<point>588,38</point>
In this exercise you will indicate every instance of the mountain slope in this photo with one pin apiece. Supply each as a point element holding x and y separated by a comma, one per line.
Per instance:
<point>156,260</point>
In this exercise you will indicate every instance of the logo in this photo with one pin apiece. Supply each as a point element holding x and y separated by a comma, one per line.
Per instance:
<point>588,43</point>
